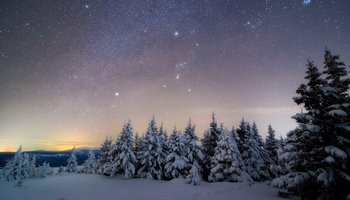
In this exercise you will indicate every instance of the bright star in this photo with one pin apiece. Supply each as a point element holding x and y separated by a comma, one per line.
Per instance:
<point>306,2</point>
<point>86,6</point>
<point>176,33</point>
<point>177,76</point>
<point>116,94</point>
<point>164,86</point>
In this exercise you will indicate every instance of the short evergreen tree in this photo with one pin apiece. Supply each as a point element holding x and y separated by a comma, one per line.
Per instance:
<point>104,151</point>
<point>90,165</point>
<point>227,164</point>
<point>255,164</point>
<point>72,164</point>
<point>176,161</point>
<point>18,168</point>
<point>33,167</point>
<point>44,170</point>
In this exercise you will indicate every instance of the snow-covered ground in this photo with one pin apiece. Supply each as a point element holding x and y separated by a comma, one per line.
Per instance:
<point>85,187</point>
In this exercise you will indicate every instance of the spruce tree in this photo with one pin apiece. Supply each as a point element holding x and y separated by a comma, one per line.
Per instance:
<point>194,155</point>
<point>209,141</point>
<point>126,159</point>
<point>104,151</point>
<point>176,161</point>
<point>150,168</point>
<point>18,168</point>
<point>89,165</point>
<point>254,162</point>
<point>227,164</point>
<point>318,150</point>
<point>72,164</point>
<point>45,170</point>
<point>271,144</point>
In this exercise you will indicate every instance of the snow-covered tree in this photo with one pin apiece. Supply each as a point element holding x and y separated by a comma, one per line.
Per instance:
<point>104,151</point>
<point>111,167</point>
<point>194,155</point>
<point>18,168</point>
<point>176,161</point>
<point>251,152</point>
<point>44,170</point>
<point>126,159</point>
<point>90,164</point>
<point>318,149</point>
<point>138,140</point>
<point>271,144</point>
<point>32,167</point>
<point>209,141</point>
<point>150,167</point>
<point>162,149</point>
<point>227,164</point>
<point>72,164</point>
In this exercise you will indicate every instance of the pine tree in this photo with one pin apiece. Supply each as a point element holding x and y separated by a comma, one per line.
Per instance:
<point>194,155</point>
<point>126,159</point>
<point>45,170</point>
<point>138,140</point>
<point>33,167</point>
<point>150,168</point>
<point>162,149</point>
<point>89,166</point>
<point>111,167</point>
<point>318,150</point>
<point>254,162</point>
<point>103,160</point>
<point>209,141</point>
<point>17,169</point>
<point>72,164</point>
<point>227,164</point>
<point>176,161</point>
<point>272,144</point>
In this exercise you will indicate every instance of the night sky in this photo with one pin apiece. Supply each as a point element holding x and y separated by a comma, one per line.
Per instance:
<point>72,72</point>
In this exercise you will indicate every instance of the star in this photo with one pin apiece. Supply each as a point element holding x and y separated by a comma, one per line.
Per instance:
<point>176,33</point>
<point>306,2</point>
<point>86,6</point>
<point>189,90</point>
<point>164,86</point>
<point>117,94</point>
<point>177,76</point>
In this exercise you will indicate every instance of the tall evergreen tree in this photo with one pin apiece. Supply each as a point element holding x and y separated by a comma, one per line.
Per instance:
<point>318,150</point>
<point>126,159</point>
<point>209,141</point>
<point>72,164</point>
<point>150,168</point>
<point>194,155</point>
<point>271,144</point>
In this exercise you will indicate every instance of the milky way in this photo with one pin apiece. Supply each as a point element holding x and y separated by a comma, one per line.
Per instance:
<point>72,72</point>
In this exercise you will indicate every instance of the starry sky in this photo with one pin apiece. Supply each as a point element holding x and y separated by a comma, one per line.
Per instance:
<point>72,72</point>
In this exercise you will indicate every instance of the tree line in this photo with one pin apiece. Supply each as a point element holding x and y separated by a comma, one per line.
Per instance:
<point>313,162</point>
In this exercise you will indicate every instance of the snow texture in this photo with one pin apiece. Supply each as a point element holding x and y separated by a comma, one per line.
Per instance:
<point>92,187</point>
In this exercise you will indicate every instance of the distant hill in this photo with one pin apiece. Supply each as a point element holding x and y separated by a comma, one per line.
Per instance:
<point>55,158</point>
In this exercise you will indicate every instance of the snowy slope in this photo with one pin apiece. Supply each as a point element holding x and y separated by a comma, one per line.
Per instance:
<point>85,187</point>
